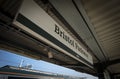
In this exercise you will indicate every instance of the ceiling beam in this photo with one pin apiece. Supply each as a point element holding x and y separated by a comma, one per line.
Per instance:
<point>112,62</point>
<point>80,64</point>
<point>116,73</point>
<point>104,65</point>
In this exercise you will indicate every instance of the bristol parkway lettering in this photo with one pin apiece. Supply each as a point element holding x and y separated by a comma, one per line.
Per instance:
<point>63,35</point>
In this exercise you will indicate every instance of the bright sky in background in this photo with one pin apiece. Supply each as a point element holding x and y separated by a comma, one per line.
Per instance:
<point>7,58</point>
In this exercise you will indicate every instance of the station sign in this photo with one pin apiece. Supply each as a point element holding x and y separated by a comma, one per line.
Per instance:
<point>35,21</point>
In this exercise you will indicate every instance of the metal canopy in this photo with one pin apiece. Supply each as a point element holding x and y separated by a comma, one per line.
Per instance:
<point>94,23</point>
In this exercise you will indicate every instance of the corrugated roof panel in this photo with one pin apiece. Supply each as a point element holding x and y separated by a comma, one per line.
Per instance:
<point>105,18</point>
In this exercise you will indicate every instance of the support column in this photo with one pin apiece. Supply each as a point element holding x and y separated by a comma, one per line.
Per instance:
<point>100,70</point>
<point>100,73</point>
<point>112,76</point>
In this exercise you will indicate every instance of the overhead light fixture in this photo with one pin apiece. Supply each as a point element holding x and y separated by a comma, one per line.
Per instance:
<point>50,54</point>
<point>46,49</point>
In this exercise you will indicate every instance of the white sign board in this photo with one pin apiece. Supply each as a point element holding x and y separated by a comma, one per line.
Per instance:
<point>34,20</point>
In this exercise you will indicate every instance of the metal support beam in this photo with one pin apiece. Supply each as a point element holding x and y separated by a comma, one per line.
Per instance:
<point>112,62</point>
<point>116,73</point>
